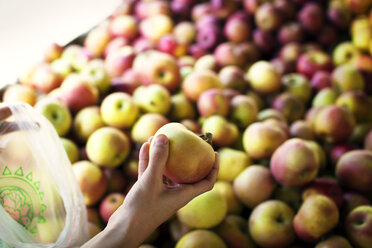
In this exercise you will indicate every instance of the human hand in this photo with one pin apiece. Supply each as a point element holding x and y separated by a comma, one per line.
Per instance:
<point>150,201</point>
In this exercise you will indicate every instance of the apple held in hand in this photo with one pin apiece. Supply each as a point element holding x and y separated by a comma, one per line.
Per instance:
<point>190,157</point>
<point>108,147</point>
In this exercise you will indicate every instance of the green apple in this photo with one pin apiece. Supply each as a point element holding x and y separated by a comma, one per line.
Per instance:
<point>86,121</point>
<point>97,75</point>
<point>234,206</point>
<point>232,162</point>
<point>146,126</point>
<point>71,149</point>
<point>154,98</point>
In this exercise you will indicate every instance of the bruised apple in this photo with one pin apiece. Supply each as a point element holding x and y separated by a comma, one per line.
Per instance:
<point>190,157</point>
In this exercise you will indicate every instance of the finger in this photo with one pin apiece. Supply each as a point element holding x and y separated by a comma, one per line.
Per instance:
<point>159,155</point>
<point>4,113</point>
<point>143,159</point>
<point>150,139</point>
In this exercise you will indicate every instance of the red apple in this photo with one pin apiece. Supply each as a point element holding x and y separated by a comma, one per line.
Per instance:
<point>340,149</point>
<point>311,62</point>
<point>321,80</point>
<point>358,226</point>
<point>268,17</point>
<point>238,27</point>
<point>291,32</point>
<point>110,204</point>
<point>311,16</point>
<point>119,60</point>
<point>124,26</point>
<point>213,102</point>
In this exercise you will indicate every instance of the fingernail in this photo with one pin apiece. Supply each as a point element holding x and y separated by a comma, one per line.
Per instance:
<point>161,140</point>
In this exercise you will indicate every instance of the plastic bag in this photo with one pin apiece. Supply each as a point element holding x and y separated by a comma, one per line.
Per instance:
<point>41,204</point>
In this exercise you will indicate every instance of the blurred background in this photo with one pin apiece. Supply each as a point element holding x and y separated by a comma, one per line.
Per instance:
<point>27,27</point>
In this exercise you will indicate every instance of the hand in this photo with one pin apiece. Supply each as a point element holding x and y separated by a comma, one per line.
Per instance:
<point>150,201</point>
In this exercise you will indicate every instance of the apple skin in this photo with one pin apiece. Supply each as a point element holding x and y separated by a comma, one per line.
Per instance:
<point>264,40</point>
<point>289,195</point>
<point>238,27</point>
<point>143,44</point>
<point>318,215</point>
<point>154,98</point>
<point>110,204</point>
<point>185,32</point>
<point>268,17</point>
<point>192,125</point>
<point>321,80</point>
<point>229,53</point>
<point>124,26</point>
<point>97,40</point>
<point>115,44</point>
<point>351,201</point>
<point>270,224</point>
<point>354,170</point>
<point>91,180</point>
<point>346,78</point>
<point>270,113</point>
<point>146,126</point>
<point>177,230</point>
<point>358,226</point>
<point>157,68</point>
<point>206,62</point>
<point>213,102</point>
<point>311,62</point>
<point>154,27</point>
<point>357,102</point>
<point>20,92</point>
<point>181,108</point>
<point>339,15</point>
<point>243,111</point>
<point>93,216</point>
<point>325,186</point>
<point>127,83</point>
<point>144,9</point>
<point>261,140</point>
<point>201,238</point>
<point>254,185</point>
<point>291,32</point>
<point>302,129</point>
<point>333,242</point>
<point>119,110</point>
<point>224,133</point>
<point>204,211</point>
<point>182,165</point>
<point>232,163</point>
<point>234,206</point>
<point>311,17</point>
<point>328,121</point>
<point>168,44</point>
<point>77,92</point>
<point>290,52</point>
<point>119,60</point>
<point>263,78</point>
<point>360,134</point>
<point>298,85</point>
<point>71,149</point>
<point>325,97</point>
<point>233,230</point>
<point>116,180</point>
<point>344,53</point>
<point>287,157</point>
<point>108,147</point>
<point>340,149</point>
<point>232,77</point>
<point>45,79</point>
<point>97,75</point>
<point>359,6</point>
<point>290,105</point>
<point>86,121</point>
<point>57,113</point>
<point>199,81</point>
<point>94,229</point>
<point>368,141</point>
<point>52,52</point>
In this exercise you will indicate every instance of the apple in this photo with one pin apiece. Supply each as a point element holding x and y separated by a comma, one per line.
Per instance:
<point>232,163</point>
<point>311,16</point>
<point>110,204</point>
<point>254,185</point>
<point>224,133</point>
<point>127,83</point>
<point>143,44</point>
<point>94,229</point>
<point>317,216</point>
<point>267,17</point>
<point>200,238</point>
<point>290,105</point>
<point>285,165</point>
<point>213,102</point>
<point>119,60</point>
<point>325,186</point>
<point>146,126</point>
<point>97,75</point>
<point>234,205</point>
<point>264,40</point>
<point>288,195</point>
<point>224,8</point>
<point>71,149</point>
<point>243,111</point>
<point>154,98</point>
<point>57,113</point>
<point>360,134</point>
<point>119,110</point>
<point>357,102</point>
<point>359,6</point>
<point>319,153</point>
<point>233,230</point>
<point>97,40</point>
<point>339,15</point>
<point>328,121</point>
<point>52,52</point>
<point>206,62</point>
<point>123,26</point>
<point>340,149</point>
<point>144,9</point>
<point>290,52</point>
<point>199,81</point>
<point>334,241</point>
<point>311,62</point>
<point>77,92</point>
<point>353,200</point>
<point>302,129</point>
<point>263,78</point>
<point>344,53</point>
<point>130,169</point>
<point>291,32</point>
<point>197,51</point>
<point>209,36</point>
<point>93,216</point>
<point>91,180</point>
<point>20,92</point>
<point>181,108</point>
<point>192,125</point>
<point>328,35</point>
<point>115,44</point>
<point>321,80</point>
<point>157,68</point>
<point>283,67</point>
<point>185,32</point>
<point>154,27</point>
<point>177,230</point>
<point>325,97</point>
<point>116,180</point>
<point>358,226</point>
<point>108,147</point>
<point>270,113</point>
<point>286,8</point>
<point>86,121</point>
<point>346,78</point>
<point>354,170</point>
<point>183,166</point>
<point>204,211</point>
<point>368,141</point>
<point>229,53</point>
<point>232,77</point>
<point>270,224</point>
<point>238,27</point>
<point>44,78</point>
<point>260,140</point>
<point>168,44</point>
<point>298,85</point>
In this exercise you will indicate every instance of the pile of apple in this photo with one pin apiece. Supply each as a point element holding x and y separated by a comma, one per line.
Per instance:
<point>284,86</point>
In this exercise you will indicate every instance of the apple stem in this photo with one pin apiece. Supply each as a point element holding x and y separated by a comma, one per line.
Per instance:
<point>207,138</point>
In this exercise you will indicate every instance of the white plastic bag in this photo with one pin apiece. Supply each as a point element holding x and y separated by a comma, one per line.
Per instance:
<point>41,204</point>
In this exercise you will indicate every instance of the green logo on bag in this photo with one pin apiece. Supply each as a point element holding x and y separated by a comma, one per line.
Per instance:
<point>20,196</point>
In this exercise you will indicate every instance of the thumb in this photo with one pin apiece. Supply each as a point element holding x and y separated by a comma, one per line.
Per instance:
<point>159,150</point>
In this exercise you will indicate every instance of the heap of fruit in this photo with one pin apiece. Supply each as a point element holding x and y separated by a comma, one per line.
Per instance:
<point>284,86</point>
